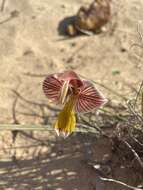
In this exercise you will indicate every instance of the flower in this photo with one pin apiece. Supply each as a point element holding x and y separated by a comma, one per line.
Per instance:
<point>76,94</point>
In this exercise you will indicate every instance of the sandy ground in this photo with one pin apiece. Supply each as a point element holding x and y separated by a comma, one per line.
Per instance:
<point>30,44</point>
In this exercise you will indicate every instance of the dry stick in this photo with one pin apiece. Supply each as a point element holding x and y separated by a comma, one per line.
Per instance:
<point>25,100</point>
<point>30,114</point>
<point>35,127</point>
<point>119,182</point>
<point>137,141</point>
<point>33,103</point>
<point>89,124</point>
<point>134,152</point>
<point>132,110</point>
<point>15,120</point>
<point>140,88</point>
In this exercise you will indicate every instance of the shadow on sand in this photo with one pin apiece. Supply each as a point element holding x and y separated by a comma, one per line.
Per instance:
<point>63,167</point>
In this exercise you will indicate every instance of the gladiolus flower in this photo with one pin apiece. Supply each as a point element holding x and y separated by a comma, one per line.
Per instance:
<point>76,94</point>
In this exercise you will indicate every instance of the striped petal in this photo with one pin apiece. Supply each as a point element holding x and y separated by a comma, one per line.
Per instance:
<point>58,86</point>
<point>72,77</point>
<point>52,87</point>
<point>89,98</point>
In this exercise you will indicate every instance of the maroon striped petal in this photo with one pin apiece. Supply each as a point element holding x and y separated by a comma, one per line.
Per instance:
<point>72,77</point>
<point>89,98</point>
<point>52,87</point>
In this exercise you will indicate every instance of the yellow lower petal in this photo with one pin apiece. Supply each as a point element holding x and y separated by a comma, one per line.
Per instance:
<point>66,121</point>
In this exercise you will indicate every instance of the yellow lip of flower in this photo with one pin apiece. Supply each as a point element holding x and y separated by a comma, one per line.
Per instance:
<point>66,121</point>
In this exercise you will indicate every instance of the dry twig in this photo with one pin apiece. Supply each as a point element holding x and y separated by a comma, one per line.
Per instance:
<point>136,140</point>
<point>133,111</point>
<point>120,183</point>
<point>138,93</point>
<point>134,152</point>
